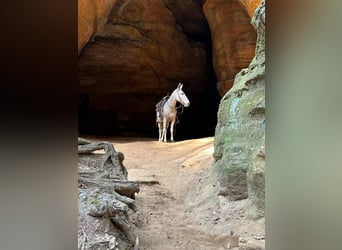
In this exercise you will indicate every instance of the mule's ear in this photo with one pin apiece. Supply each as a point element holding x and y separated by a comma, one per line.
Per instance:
<point>180,85</point>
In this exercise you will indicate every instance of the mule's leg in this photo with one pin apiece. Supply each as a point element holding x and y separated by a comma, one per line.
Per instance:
<point>165,127</point>
<point>171,129</point>
<point>160,130</point>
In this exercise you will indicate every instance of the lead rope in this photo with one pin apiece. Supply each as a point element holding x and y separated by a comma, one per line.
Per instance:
<point>182,107</point>
<point>177,118</point>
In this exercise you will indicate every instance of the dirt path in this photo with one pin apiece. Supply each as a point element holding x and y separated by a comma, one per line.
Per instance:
<point>178,204</point>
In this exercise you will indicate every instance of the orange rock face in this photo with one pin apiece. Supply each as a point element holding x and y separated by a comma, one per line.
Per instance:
<point>138,56</point>
<point>92,15</point>
<point>233,39</point>
<point>250,6</point>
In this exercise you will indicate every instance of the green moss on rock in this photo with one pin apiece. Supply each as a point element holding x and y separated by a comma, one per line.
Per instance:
<point>240,131</point>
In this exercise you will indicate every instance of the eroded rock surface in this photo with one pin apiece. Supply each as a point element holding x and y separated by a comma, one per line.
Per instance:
<point>92,15</point>
<point>190,17</point>
<point>250,6</point>
<point>240,132</point>
<point>233,39</point>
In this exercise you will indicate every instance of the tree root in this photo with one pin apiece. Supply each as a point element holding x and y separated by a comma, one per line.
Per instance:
<point>104,191</point>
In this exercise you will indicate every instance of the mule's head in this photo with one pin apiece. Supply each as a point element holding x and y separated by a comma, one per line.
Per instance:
<point>181,97</point>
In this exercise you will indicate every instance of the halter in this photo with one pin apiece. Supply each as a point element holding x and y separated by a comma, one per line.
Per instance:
<point>182,107</point>
<point>179,101</point>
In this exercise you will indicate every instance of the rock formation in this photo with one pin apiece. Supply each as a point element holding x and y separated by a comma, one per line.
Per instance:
<point>132,53</point>
<point>250,6</point>
<point>92,15</point>
<point>233,38</point>
<point>190,17</point>
<point>240,132</point>
<point>143,50</point>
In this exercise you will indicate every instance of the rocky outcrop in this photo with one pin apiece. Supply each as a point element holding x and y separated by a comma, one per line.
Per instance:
<point>233,38</point>
<point>240,132</point>
<point>140,55</point>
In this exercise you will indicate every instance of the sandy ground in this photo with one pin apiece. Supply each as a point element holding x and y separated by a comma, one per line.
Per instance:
<point>178,203</point>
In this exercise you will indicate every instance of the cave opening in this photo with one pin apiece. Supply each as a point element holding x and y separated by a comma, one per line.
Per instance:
<point>196,121</point>
<point>200,119</point>
<point>117,98</point>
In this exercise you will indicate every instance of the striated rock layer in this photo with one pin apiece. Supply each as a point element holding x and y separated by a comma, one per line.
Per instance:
<point>240,132</point>
<point>140,54</point>
<point>233,38</point>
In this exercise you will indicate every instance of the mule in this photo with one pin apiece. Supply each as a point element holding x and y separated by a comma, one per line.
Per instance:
<point>168,112</point>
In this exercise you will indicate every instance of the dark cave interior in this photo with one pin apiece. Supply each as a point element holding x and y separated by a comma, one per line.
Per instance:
<point>198,120</point>
<point>98,116</point>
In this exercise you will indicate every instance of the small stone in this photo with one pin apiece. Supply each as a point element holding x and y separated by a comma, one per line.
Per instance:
<point>242,240</point>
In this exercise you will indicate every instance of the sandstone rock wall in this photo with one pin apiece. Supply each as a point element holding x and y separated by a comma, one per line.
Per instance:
<point>233,38</point>
<point>190,17</point>
<point>250,6</point>
<point>132,53</point>
<point>140,55</point>
<point>240,132</point>
<point>92,15</point>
